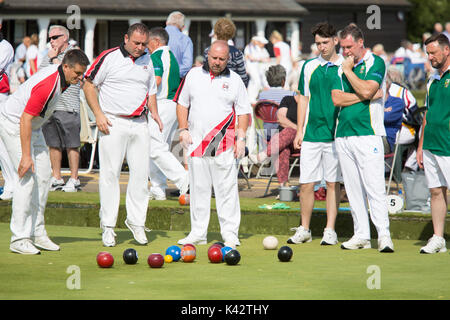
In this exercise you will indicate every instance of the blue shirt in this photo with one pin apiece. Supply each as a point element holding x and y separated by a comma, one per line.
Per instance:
<point>182,47</point>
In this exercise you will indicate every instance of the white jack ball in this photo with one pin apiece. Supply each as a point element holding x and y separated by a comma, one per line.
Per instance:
<point>270,243</point>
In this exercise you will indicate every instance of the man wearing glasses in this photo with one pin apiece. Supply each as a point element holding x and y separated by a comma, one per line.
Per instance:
<point>62,131</point>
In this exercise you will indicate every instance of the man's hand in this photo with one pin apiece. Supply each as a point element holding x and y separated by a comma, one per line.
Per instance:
<point>185,139</point>
<point>52,52</point>
<point>103,123</point>
<point>26,163</point>
<point>348,64</point>
<point>419,157</point>
<point>298,140</point>
<point>239,149</point>
<point>157,120</point>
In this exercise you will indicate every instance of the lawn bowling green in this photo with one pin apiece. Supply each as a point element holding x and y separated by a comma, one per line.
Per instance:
<point>314,272</point>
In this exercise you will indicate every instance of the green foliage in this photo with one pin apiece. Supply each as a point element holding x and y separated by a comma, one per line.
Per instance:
<point>423,16</point>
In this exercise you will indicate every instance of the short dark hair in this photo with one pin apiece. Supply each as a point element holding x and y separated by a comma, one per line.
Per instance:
<point>353,30</point>
<point>137,27</point>
<point>75,56</point>
<point>160,33</point>
<point>440,38</point>
<point>276,76</point>
<point>324,30</point>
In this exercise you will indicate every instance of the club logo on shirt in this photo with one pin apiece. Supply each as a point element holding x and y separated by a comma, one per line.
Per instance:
<point>375,150</point>
<point>363,69</point>
<point>225,86</point>
<point>447,83</point>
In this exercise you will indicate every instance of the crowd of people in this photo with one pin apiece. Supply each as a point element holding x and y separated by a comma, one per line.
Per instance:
<point>341,109</point>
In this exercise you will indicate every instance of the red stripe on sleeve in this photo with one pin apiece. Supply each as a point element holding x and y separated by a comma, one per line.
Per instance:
<point>4,83</point>
<point>91,73</point>
<point>41,93</point>
<point>277,51</point>
<point>180,88</point>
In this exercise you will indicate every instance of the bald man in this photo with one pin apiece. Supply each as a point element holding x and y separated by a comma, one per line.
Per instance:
<point>209,100</point>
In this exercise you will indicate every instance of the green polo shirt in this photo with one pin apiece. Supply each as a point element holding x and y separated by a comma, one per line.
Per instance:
<point>436,137</point>
<point>166,66</point>
<point>315,82</point>
<point>364,118</point>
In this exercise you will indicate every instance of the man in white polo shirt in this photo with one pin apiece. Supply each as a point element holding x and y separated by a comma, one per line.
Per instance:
<point>126,86</point>
<point>8,172</point>
<point>22,116</point>
<point>210,99</point>
<point>163,163</point>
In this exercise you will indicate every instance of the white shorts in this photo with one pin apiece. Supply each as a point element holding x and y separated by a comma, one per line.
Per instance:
<point>319,160</point>
<point>437,170</point>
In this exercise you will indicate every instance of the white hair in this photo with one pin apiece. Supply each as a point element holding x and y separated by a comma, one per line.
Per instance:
<point>61,28</point>
<point>176,18</point>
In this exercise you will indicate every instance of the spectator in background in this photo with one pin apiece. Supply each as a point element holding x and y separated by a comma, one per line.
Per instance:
<point>438,28</point>
<point>276,78</point>
<point>425,37</point>
<point>62,130</point>
<point>282,51</point>
<point>199,60</point>
<point>294,77</point>
<point>314,51</point>
<point>256,57</point>
<point>447,30</point>
<point>18,75</point>
<point>400,105</point>
<point>282,142</point>
<point>225,30</point>
<point>179,43</point>
<point>32,56</point>
<point>378,50</point>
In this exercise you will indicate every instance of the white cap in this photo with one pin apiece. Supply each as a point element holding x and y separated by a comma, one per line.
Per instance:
<point>261,39</point>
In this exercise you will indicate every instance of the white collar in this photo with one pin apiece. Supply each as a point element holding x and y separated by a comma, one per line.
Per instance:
<point>324,62</point>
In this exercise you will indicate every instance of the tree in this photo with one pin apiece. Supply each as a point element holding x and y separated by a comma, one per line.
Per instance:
<point>423,16</point>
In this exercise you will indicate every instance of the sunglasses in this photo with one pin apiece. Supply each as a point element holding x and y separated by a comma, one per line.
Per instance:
<point>55,37</point>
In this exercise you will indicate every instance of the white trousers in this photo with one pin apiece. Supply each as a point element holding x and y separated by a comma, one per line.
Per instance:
<point>127,138</point>
<point>362,165</point>
<point>9,174</point>
<point>31,191</point>
<point>219,172</point>
<point>163,163</point>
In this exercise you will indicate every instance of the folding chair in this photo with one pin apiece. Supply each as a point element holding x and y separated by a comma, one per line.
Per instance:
<point>296,163</point>
<point>266,111</point>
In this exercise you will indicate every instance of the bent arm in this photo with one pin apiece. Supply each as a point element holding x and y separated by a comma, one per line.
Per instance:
<point>364,88</point>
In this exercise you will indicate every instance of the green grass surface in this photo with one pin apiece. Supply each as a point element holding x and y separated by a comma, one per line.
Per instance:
<point>315,272</point>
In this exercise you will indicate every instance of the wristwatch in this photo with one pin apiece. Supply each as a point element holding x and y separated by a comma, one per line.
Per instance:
<point>53,58</point>
<point>241,139</point>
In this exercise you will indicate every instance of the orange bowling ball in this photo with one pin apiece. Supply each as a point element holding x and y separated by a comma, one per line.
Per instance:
<point>184,199</point>
<point>188,253</point>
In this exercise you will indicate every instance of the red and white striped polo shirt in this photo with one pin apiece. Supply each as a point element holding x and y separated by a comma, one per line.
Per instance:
<point>37,96</point>
<point>124,82</point>
<point>214,104</point>
<point>6,58</point>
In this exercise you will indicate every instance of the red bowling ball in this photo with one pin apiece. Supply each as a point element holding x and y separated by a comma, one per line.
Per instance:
<point>215,254</point>
<point>155,260</point>
<point>105,259</point>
